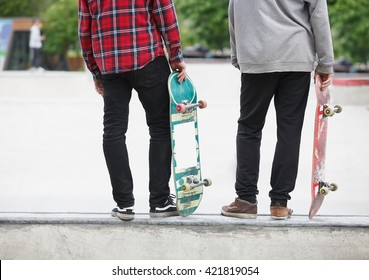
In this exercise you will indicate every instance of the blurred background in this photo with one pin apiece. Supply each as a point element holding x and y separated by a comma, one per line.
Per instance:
<point>204,30</point>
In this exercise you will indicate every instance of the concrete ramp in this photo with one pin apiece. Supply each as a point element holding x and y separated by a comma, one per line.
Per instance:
<point>79,236</point>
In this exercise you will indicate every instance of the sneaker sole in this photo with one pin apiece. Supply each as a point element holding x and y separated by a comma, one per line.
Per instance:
<point>125,217</point>
<point>239,215</point>
<point>281,218</point>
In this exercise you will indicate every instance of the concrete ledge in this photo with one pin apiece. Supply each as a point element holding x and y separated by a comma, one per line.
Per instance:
<point>193,220</point>
<point>99,236</point>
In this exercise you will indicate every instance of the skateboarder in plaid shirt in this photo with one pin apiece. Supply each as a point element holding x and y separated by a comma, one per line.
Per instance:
<point>123,47</point>
<point>275,44</point>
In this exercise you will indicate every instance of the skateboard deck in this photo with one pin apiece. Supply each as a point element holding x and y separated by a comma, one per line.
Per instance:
<point>319,187</point>
<point>185,144</point>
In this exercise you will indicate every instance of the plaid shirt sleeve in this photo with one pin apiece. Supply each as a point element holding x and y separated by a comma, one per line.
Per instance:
<point>166,20</point>
<point>84,32</point>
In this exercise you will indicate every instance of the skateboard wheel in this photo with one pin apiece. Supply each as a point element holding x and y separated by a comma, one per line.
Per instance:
<point>338,109</point>
<point>186,187</point>
<point>202,104</point>
<point>181,108</point>
<point>334,187</point>
<point>328,112</point>
<point>324,191</point>
<point>207,182</point>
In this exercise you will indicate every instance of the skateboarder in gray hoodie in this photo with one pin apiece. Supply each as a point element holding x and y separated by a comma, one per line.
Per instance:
<point>276,44</point>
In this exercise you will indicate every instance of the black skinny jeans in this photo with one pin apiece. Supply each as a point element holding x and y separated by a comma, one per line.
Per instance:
<point>290,91</point>
<point>150,83</point>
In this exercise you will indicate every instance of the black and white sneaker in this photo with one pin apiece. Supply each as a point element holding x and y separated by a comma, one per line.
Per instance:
<point>168,209</point>
<point>125,214</point>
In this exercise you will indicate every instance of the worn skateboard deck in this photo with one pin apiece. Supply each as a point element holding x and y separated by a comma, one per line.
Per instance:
<point>319,187</point>
<point>185,144</point>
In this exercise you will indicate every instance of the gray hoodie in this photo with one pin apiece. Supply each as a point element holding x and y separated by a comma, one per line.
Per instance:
<point>280,36</point>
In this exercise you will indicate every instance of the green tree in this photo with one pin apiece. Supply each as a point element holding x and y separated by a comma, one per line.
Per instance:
<point>61,23</point>
<point>204,21</point>
<point>23,8</point>
<point>350,28</point>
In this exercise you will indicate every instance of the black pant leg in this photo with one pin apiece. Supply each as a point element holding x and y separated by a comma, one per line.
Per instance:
<point>290,104</point>
<point>117,95</point>
<point>151,83</point>
<point>256,93</point>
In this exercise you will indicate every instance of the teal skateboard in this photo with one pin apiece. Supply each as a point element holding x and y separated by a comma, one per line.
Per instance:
<point>185,144</point>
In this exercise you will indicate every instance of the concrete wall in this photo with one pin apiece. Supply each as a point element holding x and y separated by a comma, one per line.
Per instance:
<point>207,237</point>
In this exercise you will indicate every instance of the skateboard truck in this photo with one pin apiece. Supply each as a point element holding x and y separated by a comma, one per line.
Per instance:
<point>186,106</point>
<point>192,183</point>
<point>329,112</point>
<point>325,188</point>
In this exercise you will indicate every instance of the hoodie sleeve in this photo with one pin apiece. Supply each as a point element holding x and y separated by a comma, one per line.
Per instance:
<point>232,34</point>
<point>322,32</point>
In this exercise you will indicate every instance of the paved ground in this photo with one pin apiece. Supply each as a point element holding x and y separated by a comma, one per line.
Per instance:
<point>51,157</point>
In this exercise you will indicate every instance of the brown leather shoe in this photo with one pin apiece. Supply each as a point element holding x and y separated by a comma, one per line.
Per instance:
<point>279,212</point>
<point>240,209</point>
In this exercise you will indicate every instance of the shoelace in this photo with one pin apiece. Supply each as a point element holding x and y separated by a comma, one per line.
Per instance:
<point>171,199</point>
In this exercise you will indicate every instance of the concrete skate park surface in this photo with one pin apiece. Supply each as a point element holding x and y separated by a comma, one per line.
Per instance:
<point>198,237</point>
<point>52,162</point>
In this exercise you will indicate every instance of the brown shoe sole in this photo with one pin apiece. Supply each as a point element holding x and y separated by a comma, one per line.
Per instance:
<point>284,217</point>
<point>239,215</point>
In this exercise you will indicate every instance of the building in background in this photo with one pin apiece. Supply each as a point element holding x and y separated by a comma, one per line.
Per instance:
<point>14,39</point>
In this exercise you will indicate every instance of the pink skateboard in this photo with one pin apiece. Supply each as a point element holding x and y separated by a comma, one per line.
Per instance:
<point>319,187</point>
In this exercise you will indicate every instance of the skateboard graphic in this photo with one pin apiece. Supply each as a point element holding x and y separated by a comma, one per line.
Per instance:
<point>184,134</point>
<point>319,187</point>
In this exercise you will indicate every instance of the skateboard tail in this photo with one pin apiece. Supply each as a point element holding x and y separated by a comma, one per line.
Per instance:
<point>187,205</point>
<point>187,212</point>
<point>315,205</point>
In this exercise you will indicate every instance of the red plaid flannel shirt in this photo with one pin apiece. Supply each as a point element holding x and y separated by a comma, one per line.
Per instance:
<point>123,35</point>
